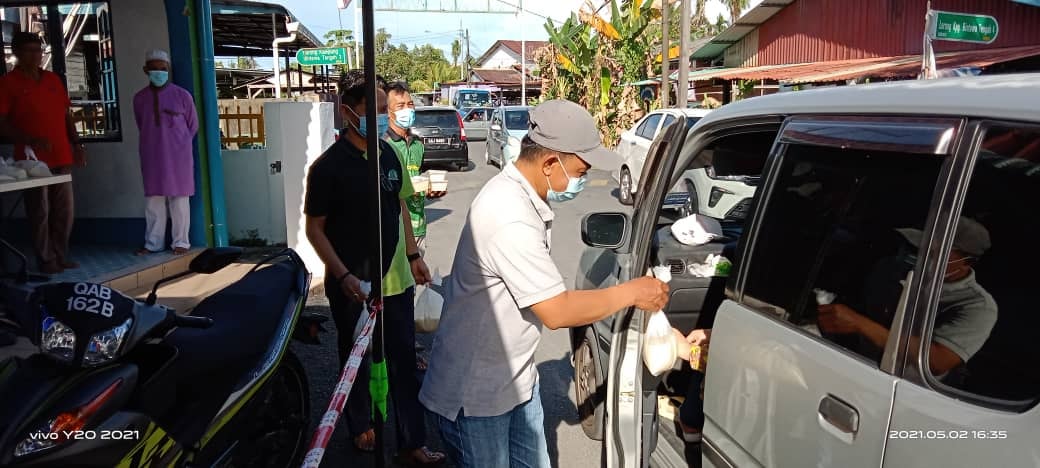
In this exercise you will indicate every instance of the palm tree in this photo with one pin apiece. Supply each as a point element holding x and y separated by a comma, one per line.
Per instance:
<point>736,7</point>
<point>456,51</point>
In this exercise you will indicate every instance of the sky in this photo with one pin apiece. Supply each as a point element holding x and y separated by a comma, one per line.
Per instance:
<point>440,29</point>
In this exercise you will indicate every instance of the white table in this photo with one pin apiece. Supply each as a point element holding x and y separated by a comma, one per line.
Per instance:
<point>34,182</point>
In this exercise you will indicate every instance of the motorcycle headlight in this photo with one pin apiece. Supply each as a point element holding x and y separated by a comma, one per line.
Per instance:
<point>104,346</point>
<point>58,340</point>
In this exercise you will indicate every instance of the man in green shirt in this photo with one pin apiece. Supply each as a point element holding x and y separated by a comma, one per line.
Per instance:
<point>409,151</point>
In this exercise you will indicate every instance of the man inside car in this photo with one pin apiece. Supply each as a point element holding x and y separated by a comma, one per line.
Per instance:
<point>482,383</point>
<point>966,315</point>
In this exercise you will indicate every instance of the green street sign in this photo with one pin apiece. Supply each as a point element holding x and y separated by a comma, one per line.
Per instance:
<point>322,56</point>
<point>962,27</point>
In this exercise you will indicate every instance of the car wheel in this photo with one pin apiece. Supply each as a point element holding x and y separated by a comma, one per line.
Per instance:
<point>586,387</point>
<point>625,187</point>
<point>691,206</point>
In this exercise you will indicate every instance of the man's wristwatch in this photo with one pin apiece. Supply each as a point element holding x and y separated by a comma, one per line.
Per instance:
<point>413,257</point>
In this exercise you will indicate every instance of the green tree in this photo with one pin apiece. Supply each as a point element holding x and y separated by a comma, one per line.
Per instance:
<point>456,51</point>
<point>736,7</point>
<point>246,63</point>
<point>341,38</point>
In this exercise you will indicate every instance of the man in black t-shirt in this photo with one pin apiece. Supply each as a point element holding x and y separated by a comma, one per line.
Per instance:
<point>338,206</point>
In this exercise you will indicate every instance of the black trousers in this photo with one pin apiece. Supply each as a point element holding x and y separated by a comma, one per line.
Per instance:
<point>399,344</point>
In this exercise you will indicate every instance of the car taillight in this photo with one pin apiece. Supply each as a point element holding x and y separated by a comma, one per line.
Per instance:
<point>462,128</point>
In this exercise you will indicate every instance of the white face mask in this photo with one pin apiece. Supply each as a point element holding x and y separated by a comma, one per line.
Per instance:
<point>574,186</point>
<point>404,118</point>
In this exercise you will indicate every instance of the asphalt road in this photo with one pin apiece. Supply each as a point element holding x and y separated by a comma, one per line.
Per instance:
<point>568,445</point>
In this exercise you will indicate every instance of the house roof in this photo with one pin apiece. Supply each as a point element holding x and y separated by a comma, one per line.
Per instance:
<point>506,76</point>
<point>244,29</point>
<point>514,47</point>
<point>740,28</point>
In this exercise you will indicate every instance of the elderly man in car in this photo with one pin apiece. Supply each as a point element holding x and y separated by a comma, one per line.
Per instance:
<point>966,312</point>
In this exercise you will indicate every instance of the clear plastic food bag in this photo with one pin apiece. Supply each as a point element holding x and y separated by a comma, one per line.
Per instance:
<point>428,305</point>
<point>659,351</point>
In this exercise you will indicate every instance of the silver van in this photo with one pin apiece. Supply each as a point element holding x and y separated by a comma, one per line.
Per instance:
<point>880,310</point>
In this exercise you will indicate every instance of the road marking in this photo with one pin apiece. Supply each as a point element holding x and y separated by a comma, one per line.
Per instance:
<point>598,183</point>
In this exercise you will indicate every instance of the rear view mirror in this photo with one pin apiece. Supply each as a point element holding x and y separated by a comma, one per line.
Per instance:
<point>214,260</point>
<point>496,127</point>
<point>604,230</point>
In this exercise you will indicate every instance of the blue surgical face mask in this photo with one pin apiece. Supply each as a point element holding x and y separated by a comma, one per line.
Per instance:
<point>158,78</point>
<point>404,118</point>
<point>574,187</point>
<point>382,123</point>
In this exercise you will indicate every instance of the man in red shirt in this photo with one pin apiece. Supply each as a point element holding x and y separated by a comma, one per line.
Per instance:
<point>34,113</point>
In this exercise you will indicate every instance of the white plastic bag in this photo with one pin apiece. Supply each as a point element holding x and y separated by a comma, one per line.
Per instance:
<point>659,352</point>
<point>32,166</point>
<point>696,229</point>
<point>8,169</point>
<point>428,305</point>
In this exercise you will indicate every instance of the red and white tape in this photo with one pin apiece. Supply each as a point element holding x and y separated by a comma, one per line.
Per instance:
<point>339,397</point>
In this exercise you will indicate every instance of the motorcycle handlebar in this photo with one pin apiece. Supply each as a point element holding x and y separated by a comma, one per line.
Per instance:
<point>189,321</point>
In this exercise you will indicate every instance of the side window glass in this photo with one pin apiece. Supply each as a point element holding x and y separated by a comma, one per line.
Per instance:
<point>668,119</point>
<point>648,128</point>
<point>984,330</point>
<point>832,250</point>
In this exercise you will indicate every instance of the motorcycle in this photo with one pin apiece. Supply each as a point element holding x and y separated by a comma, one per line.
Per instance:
<point>118,382</point>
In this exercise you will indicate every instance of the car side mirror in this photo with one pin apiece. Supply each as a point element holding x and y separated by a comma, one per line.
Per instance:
<point>604,230</point>
<point>496,127</point>
<point>214,259</point>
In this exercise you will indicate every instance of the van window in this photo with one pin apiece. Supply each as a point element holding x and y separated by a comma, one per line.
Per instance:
<point>828,256</point>
<point>987,314</point>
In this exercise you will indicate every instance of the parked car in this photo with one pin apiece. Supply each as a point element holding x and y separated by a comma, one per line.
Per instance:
<point>476,122</point>
<point>866,194</point>
<point>636,141</point>
<point>443,137</point>
<point>508,128</point>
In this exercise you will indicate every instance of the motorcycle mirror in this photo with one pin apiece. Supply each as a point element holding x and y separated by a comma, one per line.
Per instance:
<point>214,259</point>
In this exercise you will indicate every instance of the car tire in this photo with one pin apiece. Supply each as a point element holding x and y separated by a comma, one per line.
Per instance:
<point>587,392</point>
<point>625,195</point>
<point>692,205</point>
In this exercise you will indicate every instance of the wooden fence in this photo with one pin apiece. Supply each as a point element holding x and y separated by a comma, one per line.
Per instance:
<point>241,124</point>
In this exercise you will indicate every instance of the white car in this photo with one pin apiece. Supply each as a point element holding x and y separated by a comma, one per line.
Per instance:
<point>722,193</point>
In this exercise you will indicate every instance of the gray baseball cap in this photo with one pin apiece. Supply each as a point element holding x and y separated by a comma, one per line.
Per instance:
<point>566,127</point>
<point>971,237</point>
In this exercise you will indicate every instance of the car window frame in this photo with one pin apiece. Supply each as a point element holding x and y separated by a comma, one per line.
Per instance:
<point>895,352</point>
<point>940,242</point>
<point>665,123</point>
<point>646,121</point>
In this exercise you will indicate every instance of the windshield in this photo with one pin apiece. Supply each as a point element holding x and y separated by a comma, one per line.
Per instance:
<point>517,120</point>
<point>474,98</point>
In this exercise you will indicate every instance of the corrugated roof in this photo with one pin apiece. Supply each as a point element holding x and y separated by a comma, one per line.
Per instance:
<point>747,23</point>
<point>514,47</point>
<point>506,76</point>
<point>881,67</point>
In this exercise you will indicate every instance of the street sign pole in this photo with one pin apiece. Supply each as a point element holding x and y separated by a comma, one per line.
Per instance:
<point>928,70</point>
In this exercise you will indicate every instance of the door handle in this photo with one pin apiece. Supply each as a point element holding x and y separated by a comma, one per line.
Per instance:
<point>839,414</point>
<point>276,167</point>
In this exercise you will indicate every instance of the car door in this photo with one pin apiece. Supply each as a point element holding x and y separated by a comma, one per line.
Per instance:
<point>631,401</point>
<point>788,384</point>
<point>495,136</point>
<point>983,412</point>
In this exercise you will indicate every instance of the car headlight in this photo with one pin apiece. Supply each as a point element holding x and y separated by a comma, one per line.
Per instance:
<point>58,340</point>
<point>104,346</point>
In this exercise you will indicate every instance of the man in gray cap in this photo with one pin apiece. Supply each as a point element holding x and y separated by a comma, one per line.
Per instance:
<point>482,384</point>
<point>966,312</point>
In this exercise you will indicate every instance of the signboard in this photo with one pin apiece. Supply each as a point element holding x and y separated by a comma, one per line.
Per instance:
<point>322,56</point>
<point>962,27</point>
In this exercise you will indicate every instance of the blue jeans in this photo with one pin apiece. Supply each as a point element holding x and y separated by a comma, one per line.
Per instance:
<point>512,440</point>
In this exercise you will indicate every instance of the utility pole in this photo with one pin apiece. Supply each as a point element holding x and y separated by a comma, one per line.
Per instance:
<point>465,65</point>
<point>357,41</point>
<point>665,46</point>
<point>523,58</point>
<point>462,69</point>
<point>684,56</point>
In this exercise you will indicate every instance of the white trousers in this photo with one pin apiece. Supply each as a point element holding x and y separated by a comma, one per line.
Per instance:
<point>155,222</point>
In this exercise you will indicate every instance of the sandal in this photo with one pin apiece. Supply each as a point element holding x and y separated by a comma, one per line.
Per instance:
<point>180,251</point>
<point>423,456</point>
<point>421,363</point>
<point>366,441</point>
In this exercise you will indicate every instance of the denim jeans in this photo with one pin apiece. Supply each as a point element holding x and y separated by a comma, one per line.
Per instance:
<point>512,440</point>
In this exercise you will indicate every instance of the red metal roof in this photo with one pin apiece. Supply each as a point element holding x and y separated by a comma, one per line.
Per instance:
<point>902,66</point>
<point>830,30</point>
